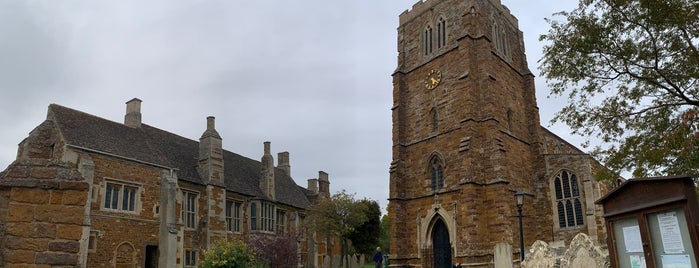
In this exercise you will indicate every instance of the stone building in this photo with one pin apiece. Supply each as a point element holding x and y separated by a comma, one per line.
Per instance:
<point>467,136</point>
<point>89,192</point>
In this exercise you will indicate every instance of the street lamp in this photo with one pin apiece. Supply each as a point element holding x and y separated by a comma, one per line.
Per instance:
<point>519,200</point>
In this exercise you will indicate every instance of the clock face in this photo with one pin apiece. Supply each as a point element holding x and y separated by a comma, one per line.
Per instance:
<point>433,78</point>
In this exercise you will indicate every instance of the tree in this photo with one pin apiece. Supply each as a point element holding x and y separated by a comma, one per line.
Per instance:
<point>280,250</point>
<point>384,238</point>
<point>630,69</point>
<point>338,216</point>
<point>365,237</point>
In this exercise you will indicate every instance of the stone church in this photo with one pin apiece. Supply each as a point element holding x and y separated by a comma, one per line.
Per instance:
<point>467,137</point>
<point>89,192</point>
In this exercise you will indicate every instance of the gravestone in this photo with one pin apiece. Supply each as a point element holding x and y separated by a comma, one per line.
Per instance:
<point>503,255</point>
<point>540,256</point>
<point>583,252</point>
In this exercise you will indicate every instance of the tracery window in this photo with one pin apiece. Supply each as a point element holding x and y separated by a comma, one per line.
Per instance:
<point>568,204</point>
<point>437,173</point>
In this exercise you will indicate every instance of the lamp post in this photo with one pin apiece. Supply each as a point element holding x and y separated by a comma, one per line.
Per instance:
<point>519,200</point>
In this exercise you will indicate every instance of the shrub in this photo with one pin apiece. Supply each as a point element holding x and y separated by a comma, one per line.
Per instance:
<point>229,254</point>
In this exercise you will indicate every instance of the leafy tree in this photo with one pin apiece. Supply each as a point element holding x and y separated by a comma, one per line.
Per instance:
<point>278,250</point>
<point>229,254</point>
<point>365,237</point>
<point>384,237</point>
<point>630,69</point>
<point>338,216</point>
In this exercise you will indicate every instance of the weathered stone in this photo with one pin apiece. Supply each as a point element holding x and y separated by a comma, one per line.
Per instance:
<point>35,230</point>
<point>585,252</point>
<point>29,195</point>
<point>56,197</point>
<point>59,214</point>
<point>54,258</point>
<point>20,212</point>
<point>22,243</point>
<point>539,256</point>
<point>74,198</point>
<point>503,255</point>
<point>43,173</point>
<point>69,231</point>
<point>20,256</point>
<point>64,246</point>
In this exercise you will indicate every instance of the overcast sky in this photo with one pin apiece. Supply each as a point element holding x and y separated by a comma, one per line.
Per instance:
<point>312,76</point>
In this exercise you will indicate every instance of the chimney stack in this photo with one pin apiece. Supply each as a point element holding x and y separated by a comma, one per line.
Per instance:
<point>267,182</point>
<point>323,184</point>
<point>313,185</point>
<point>211,154</point>
<point>284,164</point>
<point>133,113</point>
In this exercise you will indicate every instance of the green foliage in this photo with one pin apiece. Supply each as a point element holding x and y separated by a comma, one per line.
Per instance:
<point>340,215</point>
<point>229,254</point>
<point>630,70</point>
<point>365,237</point>
<point>384,238</point>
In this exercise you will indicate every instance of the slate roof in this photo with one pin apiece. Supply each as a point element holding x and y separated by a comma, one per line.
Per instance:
<point>159,147</point>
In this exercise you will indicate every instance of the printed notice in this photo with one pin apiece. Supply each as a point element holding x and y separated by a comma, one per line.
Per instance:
<point>670,233</point>
<point>676,261</point>
<point>632,239</point>
<point>638,261</point>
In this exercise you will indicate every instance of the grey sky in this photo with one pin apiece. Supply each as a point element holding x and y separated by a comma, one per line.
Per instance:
<point>313,76</point>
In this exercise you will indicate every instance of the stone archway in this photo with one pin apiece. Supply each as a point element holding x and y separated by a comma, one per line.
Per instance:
<point>441,245</point>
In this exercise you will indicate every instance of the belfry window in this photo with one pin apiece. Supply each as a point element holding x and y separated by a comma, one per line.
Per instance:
<point>437,173</point>
<point>441,33</point>
<point>427,40</point>
<point>435,121</point>
<point>568,205</point>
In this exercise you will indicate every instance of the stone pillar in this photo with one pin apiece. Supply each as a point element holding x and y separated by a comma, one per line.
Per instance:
<point>167,237</point>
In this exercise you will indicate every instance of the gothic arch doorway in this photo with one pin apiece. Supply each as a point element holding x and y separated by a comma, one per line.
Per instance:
<point>441,246</point>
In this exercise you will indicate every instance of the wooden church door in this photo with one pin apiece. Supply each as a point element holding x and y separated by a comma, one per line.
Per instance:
<point>441,246</point>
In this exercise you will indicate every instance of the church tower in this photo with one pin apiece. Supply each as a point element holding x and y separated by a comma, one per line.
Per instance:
<point>466,135</point>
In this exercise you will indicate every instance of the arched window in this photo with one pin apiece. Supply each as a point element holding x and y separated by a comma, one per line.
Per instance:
<point>427,40</point>
<point>441,32</point>
<point>568,205</point>
<point>436,173</point>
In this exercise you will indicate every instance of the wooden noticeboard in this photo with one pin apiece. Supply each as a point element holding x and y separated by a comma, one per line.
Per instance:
<point>652,222</point>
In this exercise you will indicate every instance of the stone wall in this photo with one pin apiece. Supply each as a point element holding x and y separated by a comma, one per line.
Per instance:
<point>42,207</point>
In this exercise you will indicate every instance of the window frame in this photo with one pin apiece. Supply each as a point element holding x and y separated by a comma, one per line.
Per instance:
<point>190,258</point>
<point>133,207</point>
<point>568,202</point>
<point>234,215</point>
<point>436,172</point>
<point>280,225</point>
<point>188,213</point>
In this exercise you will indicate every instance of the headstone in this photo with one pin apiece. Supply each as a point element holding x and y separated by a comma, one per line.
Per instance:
<point>503,255</point>
<point>540,256</point>
<point>584,252</point>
